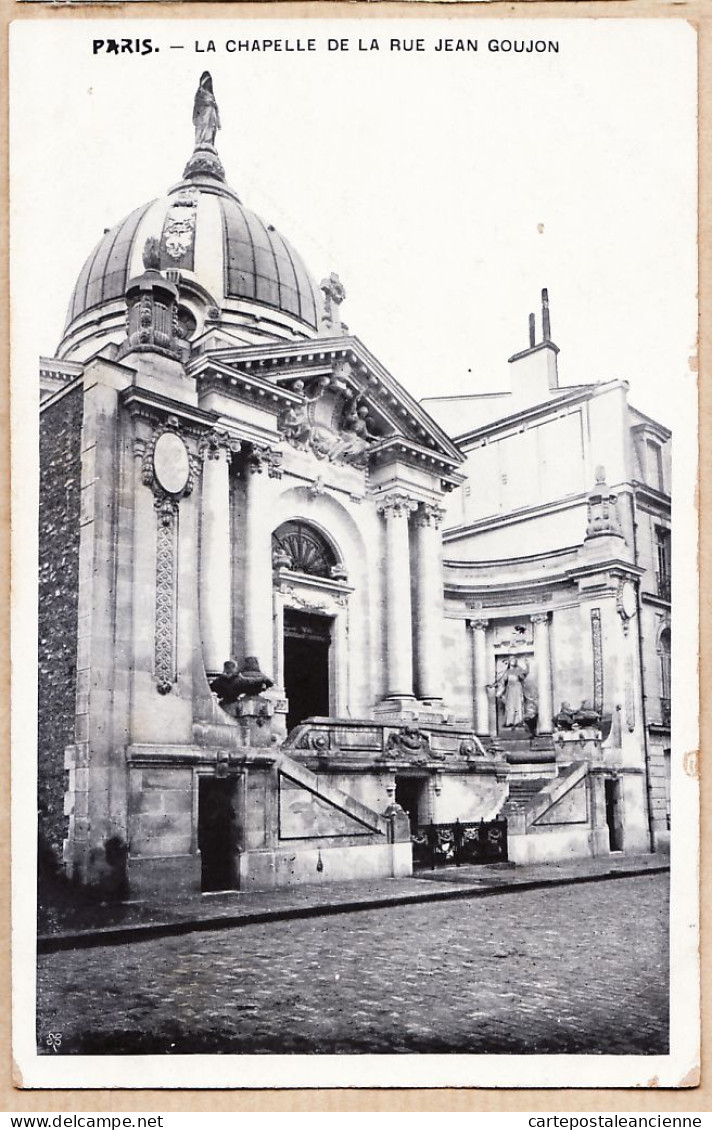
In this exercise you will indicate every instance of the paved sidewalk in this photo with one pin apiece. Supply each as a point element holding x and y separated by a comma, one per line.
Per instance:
<point>131,922</point>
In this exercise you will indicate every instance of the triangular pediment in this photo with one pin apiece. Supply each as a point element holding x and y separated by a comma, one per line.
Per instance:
<point>343,387</point>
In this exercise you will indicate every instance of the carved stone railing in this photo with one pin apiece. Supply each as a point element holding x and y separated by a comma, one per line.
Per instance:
<point>359,742</point>
<point>579,745</point>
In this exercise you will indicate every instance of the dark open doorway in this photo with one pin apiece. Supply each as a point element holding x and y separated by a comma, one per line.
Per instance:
<point>217,833</point>
<point>307,639</point>
<point>613,815</point>
<point>410,796</point>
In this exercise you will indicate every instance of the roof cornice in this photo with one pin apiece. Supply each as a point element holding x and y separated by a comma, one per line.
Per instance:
<point>288,361</point>
<point>240,384</point>
<point>579,394</point>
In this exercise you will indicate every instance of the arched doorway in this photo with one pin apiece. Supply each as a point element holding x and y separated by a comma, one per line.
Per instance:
<point>308,630</point>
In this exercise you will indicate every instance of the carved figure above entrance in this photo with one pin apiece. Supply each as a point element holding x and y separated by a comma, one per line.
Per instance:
<point>409,742</point>
<point>330,422</point>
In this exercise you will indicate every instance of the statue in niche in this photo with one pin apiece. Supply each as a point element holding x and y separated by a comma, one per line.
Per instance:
<point>234,682</point>
<point>206,117</point>
<point>509,690</point>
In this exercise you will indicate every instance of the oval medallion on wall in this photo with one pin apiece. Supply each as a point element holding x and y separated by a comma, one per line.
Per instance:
<point>171,463</point>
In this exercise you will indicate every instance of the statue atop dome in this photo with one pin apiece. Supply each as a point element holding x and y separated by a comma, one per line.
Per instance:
<point>206,117</point>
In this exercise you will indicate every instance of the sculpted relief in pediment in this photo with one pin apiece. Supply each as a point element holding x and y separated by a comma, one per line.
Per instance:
<point>333,421</point>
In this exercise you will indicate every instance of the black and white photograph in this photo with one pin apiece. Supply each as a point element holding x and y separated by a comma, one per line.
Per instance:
<point>354,389</point>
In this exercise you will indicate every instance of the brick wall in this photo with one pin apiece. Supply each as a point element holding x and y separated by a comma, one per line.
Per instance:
<point>60,472</point>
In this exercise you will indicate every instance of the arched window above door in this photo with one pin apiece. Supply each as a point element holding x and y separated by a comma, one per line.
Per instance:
<point>298,546</point>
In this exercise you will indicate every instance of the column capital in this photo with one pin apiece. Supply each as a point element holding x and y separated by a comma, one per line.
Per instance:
<point>480,624</point>
<point>430,514</point>
<point>217,444</point>
<point>398,504</point>
<point>261,457</point>
<point>539,618</point>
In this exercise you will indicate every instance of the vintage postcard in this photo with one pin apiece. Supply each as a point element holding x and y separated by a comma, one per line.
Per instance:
<point>354,393</point>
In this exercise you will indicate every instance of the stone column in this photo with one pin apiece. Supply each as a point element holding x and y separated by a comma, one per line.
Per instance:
<point>396,509</point>
<point>542,655</point>
<point>215,555</point>
<point>479,655</point>
<point>260,466</point>
<point>429,618</point>
<point>278,626</point>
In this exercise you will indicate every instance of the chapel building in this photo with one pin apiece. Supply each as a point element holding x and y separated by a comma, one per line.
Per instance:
<point>296,626</point>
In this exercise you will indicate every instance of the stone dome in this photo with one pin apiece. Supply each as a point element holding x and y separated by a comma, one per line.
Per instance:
<point>236,271</point>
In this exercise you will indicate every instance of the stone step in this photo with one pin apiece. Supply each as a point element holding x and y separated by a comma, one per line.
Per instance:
<point>522,790</point>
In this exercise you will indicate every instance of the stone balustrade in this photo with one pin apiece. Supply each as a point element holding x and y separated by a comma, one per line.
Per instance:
<point>426,744</point>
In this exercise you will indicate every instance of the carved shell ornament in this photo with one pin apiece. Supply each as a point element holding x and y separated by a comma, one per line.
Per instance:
<point>408,739</point>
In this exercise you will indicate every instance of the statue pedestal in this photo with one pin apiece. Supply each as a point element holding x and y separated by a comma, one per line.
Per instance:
<point>398,708</point>
<point>204,162</point>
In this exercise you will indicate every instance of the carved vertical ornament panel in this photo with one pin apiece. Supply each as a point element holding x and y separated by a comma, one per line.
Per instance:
<point>168,471</point>
<point>597,647</point>
<point>165,669</point>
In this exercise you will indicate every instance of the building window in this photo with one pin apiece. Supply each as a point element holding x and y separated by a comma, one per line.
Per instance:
<point>656,477</point>
<point>664,651</point>
<point>663,561</point>
<point>300,547</point>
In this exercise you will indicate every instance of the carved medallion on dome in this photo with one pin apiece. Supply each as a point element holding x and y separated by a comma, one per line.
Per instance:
<point>179,229</point>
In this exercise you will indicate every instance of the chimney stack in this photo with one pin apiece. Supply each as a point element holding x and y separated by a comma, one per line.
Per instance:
<point>534,370</point>
<point>545,322</point>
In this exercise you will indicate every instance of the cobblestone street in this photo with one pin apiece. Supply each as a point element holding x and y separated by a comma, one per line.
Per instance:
<point>577,969</point>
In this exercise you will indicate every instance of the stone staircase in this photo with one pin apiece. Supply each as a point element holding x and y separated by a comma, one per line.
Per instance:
<point>522,791</point>
<point>530,797</point>
<point>346,809</point>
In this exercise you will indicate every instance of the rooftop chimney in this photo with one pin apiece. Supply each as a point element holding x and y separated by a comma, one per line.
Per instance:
<point>535,372</point>
<point>545,321</point>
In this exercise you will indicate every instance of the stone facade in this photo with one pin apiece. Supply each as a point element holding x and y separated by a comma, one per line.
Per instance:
<point>308,624</point>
